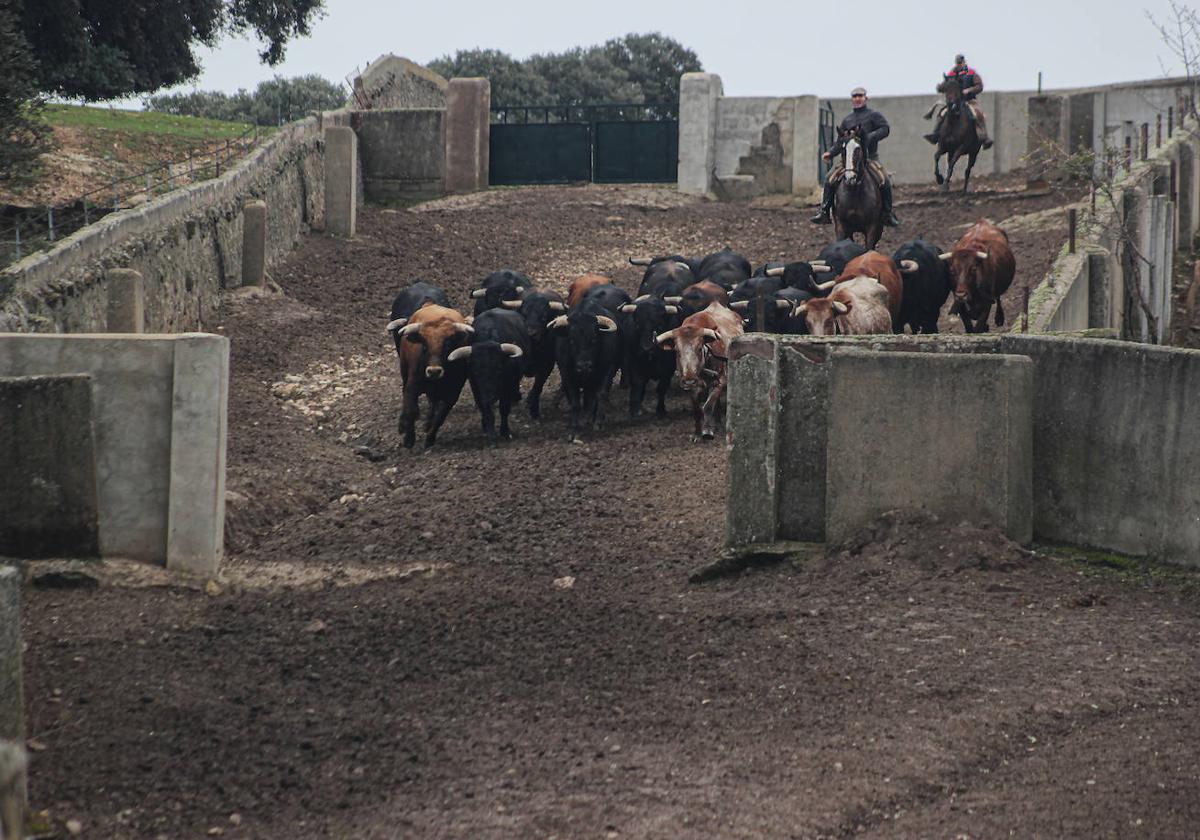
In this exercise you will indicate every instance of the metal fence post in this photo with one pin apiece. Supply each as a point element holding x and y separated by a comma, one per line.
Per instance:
<point>50,222</point>
<point>116,195</point>
<point>1170,120</point>
<point>18,232</point>
<point>86,221</point>
<point>1071,231</point>
<point>1145,141</point>
<point>149,186</point>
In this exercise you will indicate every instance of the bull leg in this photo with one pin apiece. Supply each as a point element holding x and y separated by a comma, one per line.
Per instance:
<point>597,412</point>
<point>981,325</point>
<point>487,419</point>
<point>664,385</point>
<point>697,413</point>
<point>437,416</point>
<point>637,392</point>
<point>711,406</point>
<point>506,404</point>
<point>872,235</point>
<point>409,411</point>
<point>999,313</point>
<point>576,404</point>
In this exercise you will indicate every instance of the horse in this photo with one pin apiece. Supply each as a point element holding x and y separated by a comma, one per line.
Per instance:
<point>958,136</point>
<point>857,203</point>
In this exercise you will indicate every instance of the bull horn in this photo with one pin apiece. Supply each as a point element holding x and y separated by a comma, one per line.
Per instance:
<point>983,255</point>
<point>673,299</point>
<point>685,265</point>
<point>780,303</point>
<point>801,309</point>
<point>711,335</point>
<point>478,293</point>
<point>909,266</point>
<point>775,272</point>
<point>557,306</point>
<point>840,308</point>
<point>819,263</point>
<point>511,304</point>
<point>671,310</point>
<point>739,305</point>
<point>827,285</point>
<point>667,336</point>
<point>946,255</point>
<point>639,261</point>
<point>641,298</point>
<point>511,349</point>
<point>409,329</point>
<point>560,321</point>
<point>463,327</point>
<point>460,353</point>
<point>470,319</point>
<point>606,324</point>
<point>396,324</point>
<point>629,307</point>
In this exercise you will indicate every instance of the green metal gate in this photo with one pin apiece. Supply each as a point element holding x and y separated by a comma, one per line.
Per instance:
<point>826,135</point>
<point>616,143</point>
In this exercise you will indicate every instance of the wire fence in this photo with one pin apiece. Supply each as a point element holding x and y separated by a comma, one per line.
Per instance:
<point>26,231</point>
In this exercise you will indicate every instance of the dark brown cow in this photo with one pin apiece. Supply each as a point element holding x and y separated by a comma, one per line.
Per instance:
<point>426,341</point>
<point>884,269</point>
<point>982,266</point>
<point>698,296</point>
<point>701,346</point>
<point>583,284</point>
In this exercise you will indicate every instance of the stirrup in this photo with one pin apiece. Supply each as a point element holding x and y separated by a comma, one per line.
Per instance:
<point>822,217</point>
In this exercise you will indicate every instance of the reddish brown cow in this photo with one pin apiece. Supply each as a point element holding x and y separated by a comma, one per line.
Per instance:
<point>698,296</point>
<point>701,346</point>
<point>583,284</point>
<point>982,266</point>
<point>884,269</point>
<point>428,338</point>
<point>855,307</point>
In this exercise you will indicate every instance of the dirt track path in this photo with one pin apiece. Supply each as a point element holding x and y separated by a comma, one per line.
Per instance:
<point>399,653</point>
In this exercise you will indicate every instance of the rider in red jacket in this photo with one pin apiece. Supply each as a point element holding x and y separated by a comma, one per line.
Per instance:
<point>971,84</point>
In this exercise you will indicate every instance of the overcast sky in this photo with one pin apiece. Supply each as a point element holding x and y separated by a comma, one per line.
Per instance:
<point>769,48</point>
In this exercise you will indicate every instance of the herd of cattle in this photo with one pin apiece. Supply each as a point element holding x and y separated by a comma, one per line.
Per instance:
<point>685,314</point>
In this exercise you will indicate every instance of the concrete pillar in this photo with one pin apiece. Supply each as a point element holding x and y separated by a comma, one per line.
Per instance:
<point>254,243</point>
<point>1046,135</point>
<point>196,514</point>
<point>341,181</point>
<point>12,706</point>
<point>468,123</point>
<point>806,144</point>
<point>126,301</point>
<point>13,796</point>
<point>698,97</point>
<point>48,496</point>
<point>753,412</point>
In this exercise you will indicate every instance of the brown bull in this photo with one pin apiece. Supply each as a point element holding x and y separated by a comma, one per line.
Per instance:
<point>856,307</point>
<point>982,267</point>
<point>426,341</point>
<point>884,269</point>
<point>701,346</point>
<point>583,284</point>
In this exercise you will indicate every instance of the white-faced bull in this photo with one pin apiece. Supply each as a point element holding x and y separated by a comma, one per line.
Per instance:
<point>701,344</point>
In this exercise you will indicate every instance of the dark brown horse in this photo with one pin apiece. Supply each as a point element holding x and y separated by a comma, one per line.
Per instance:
<point>857,203</point>
<point>958,136</point>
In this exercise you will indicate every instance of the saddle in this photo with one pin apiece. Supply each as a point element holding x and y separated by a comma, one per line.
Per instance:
<point>873,166</point>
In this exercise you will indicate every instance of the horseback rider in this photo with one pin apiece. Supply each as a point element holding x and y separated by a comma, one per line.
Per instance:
<point>971,85</point>
<point>872,127</point>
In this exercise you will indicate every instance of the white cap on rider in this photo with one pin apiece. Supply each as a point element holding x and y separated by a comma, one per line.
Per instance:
<point>859,90</point>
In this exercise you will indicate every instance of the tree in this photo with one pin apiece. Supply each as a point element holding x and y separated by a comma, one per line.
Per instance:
<point>273,102</point>
<point>513,82</point>
<point>23,134</point>
<point>654,63</point>
<point>103,49</point>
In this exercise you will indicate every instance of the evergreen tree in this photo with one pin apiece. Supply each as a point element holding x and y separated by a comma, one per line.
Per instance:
<point>23,134</point>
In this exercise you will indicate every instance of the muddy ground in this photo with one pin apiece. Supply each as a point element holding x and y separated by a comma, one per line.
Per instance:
<point>503,643</point>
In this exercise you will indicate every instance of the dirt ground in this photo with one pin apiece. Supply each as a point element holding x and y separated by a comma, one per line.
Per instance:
<point>503,643</point>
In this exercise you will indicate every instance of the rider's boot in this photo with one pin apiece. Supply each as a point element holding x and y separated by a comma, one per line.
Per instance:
<point>936,134</point>
<point>822,217</point>
<point>981,130</point>
<point>885,192</point>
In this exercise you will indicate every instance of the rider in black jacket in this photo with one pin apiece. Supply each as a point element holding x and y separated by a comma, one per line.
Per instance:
<point>873,127</point>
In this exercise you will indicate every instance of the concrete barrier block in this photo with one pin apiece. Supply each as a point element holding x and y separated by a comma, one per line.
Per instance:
<point>468,115</point>
<point>751,435</point>
<point>196,515</point>
<point>48,499</point>
<point>341,181</point>
<point>12,696</point>
<point>254,243</point>
<point>961,450</point>
<point>13,797</point>
<point>126,301</point>
<point>699,94</point>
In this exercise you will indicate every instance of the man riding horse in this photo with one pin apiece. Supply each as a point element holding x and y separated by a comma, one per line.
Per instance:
<point>872,127</point>
<point>971,84</point>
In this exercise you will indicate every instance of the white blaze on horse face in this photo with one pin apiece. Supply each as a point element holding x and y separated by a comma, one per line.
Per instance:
<point>848,160</point>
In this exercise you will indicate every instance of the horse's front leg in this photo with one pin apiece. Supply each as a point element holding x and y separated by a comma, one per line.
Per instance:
<point>970,166</point>
<point>950,161</point>
<point>937,166</point>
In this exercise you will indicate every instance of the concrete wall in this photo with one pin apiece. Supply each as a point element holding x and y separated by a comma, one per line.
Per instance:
<point>392,81</point>
<point>159,408</point>
<point>402,152</point>
<point>187,244</point>
<point>1115,455</point>
<point>12,697</point>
